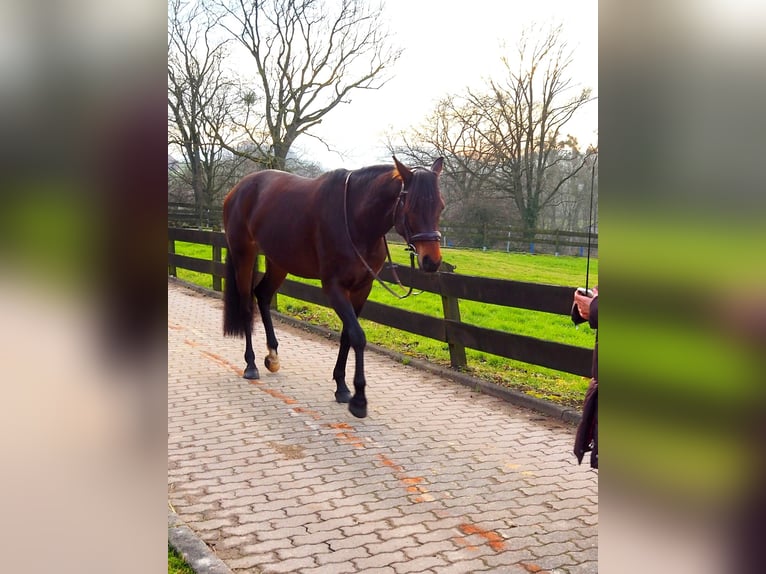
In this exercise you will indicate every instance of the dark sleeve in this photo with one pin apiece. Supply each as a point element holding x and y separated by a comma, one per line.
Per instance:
<point>593,314</point>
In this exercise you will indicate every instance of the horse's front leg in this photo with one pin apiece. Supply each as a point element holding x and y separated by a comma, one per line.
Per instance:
<point>358,341</point>
<point>352,336</point>
<point>251,371</point>
<point>342,394</point>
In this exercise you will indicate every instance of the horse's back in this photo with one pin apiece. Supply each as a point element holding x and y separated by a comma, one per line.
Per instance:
<point>279,213</point>
<point>259,195</point>
<point>245,195</point>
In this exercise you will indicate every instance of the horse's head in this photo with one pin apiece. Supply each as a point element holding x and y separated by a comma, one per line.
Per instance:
<point>417,213</point>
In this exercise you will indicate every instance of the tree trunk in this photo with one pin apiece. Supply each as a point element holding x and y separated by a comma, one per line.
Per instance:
<point>281,149</point>
<point>529,224</point>
<point>197,188</point>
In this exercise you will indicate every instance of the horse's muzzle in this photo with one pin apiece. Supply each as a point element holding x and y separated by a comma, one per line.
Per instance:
<point>427,246</point>
<point>428,264</point>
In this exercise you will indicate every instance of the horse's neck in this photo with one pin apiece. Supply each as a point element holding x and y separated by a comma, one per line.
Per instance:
<point>374,216</point>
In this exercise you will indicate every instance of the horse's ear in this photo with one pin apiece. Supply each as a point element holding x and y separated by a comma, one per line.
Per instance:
<point>404,172</point>
<point>437,166</point>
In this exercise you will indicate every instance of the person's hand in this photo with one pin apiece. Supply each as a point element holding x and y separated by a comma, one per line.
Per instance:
<point>583,302</point>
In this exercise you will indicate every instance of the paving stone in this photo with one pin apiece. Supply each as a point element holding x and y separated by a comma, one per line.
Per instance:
<point>249,563</point>
<point>466,567</point>
<point>344,555</point>
<point>288,566</point>
<point>321,537</point>
<point>553,549</point>
<point>352,541</point>
<point>422,564</point>
<point>265,546</point>
<point>392,545</point>
<point>214,524</point>
<point>281,478</point>
<point>302,550</point>
<point>429,549</point>
<point>580,557</point>
<point>386,559</point>
<point>584,568</point>
<point>361,529</point>
<point>347,568</point>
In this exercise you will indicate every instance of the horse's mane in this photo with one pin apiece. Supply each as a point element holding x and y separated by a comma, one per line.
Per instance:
<point>364,177</point>
<point>423,190</point>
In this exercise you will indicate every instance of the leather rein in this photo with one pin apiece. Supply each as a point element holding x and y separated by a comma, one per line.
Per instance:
<point>410,239</point>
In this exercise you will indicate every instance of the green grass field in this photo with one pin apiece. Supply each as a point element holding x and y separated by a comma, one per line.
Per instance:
<point>555,386</point>
<point>176,564</point>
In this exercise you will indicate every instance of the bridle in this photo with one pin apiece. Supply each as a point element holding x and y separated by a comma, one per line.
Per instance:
<point>409,238</point>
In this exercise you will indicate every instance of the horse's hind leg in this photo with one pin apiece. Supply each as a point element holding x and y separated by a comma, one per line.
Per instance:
<point>264,292</point>
<point>238,296</point>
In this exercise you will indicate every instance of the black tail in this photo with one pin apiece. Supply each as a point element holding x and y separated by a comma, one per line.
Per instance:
<point>237,314</point>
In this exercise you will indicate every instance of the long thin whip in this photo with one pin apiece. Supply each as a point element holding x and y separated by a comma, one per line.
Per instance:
<point>590,222</point>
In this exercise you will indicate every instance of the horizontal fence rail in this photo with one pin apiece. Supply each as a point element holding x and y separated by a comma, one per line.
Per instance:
<point>189,215</point>
<point>504,238</point>
<point>493,237</point>
<point>451,287</point>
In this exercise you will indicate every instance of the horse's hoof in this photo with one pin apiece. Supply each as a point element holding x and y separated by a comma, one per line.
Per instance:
<point>342,396</point>
<point>359,411</point>
<point>271,365</point>
<point>272,362</point>
<point>252,373</point>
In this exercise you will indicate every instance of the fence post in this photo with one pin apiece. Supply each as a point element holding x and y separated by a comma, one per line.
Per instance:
<point>171,251</point>
<point>217,256</point>
<point>451,309</point>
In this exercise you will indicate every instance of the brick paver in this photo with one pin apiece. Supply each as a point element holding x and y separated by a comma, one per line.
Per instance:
<point>275,476</point>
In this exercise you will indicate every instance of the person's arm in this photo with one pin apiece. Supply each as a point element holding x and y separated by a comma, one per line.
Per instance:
<point>588,307</point>
<point>593,312</point>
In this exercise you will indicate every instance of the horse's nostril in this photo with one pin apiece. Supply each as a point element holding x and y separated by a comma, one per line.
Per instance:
<point>429,264</point>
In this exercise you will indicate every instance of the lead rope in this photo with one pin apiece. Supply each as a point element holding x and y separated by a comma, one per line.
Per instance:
<point>388,253</point>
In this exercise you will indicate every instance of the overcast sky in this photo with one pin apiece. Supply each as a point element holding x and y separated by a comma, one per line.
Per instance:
<point>449,45</point>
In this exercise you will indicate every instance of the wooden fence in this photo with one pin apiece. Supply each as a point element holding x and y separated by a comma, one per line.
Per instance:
<point>451,287</point>
<point>505,238</point>
<point>492,237</point>
<point>187,215</point>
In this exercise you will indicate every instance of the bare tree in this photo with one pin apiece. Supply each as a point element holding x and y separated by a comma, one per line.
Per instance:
<point>449,132</point>
<point>309,55</point>
<point>507,141</point>
<point>199,102</point>
<point>524,118</point>
<point>570,209</point>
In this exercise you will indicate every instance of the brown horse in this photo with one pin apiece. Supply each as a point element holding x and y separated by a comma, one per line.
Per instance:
<point>330,228</point>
